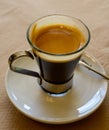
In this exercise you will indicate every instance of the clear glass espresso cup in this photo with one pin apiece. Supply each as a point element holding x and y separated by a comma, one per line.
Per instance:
<point>56,70</point>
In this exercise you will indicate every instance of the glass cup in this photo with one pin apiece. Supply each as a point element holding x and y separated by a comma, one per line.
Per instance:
<point>56,70</point>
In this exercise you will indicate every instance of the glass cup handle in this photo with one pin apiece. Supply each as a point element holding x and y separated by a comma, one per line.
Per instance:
<point>20,54</point>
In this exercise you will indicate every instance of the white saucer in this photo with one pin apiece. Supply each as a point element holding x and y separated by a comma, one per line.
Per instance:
<point>86,95</point>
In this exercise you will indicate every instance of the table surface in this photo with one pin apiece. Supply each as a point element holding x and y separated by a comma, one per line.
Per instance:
<point>15,17</point>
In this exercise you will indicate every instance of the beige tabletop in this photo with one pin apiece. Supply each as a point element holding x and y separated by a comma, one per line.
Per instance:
<point>15,17</point>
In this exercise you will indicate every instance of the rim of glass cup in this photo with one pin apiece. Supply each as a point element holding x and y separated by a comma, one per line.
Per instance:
<point>53,54</point>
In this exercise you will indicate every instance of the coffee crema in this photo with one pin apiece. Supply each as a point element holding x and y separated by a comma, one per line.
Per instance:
<point>58,39</point>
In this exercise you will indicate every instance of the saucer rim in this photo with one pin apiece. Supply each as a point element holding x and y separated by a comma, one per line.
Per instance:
<point>56,121</point>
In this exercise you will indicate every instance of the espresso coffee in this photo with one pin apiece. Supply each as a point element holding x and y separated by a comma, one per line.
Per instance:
<point>58,39</point>
<point>57,72</point>
<point>57,43</point>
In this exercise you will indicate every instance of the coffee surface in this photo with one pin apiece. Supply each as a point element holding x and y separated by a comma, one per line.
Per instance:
<point>58,39</point>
